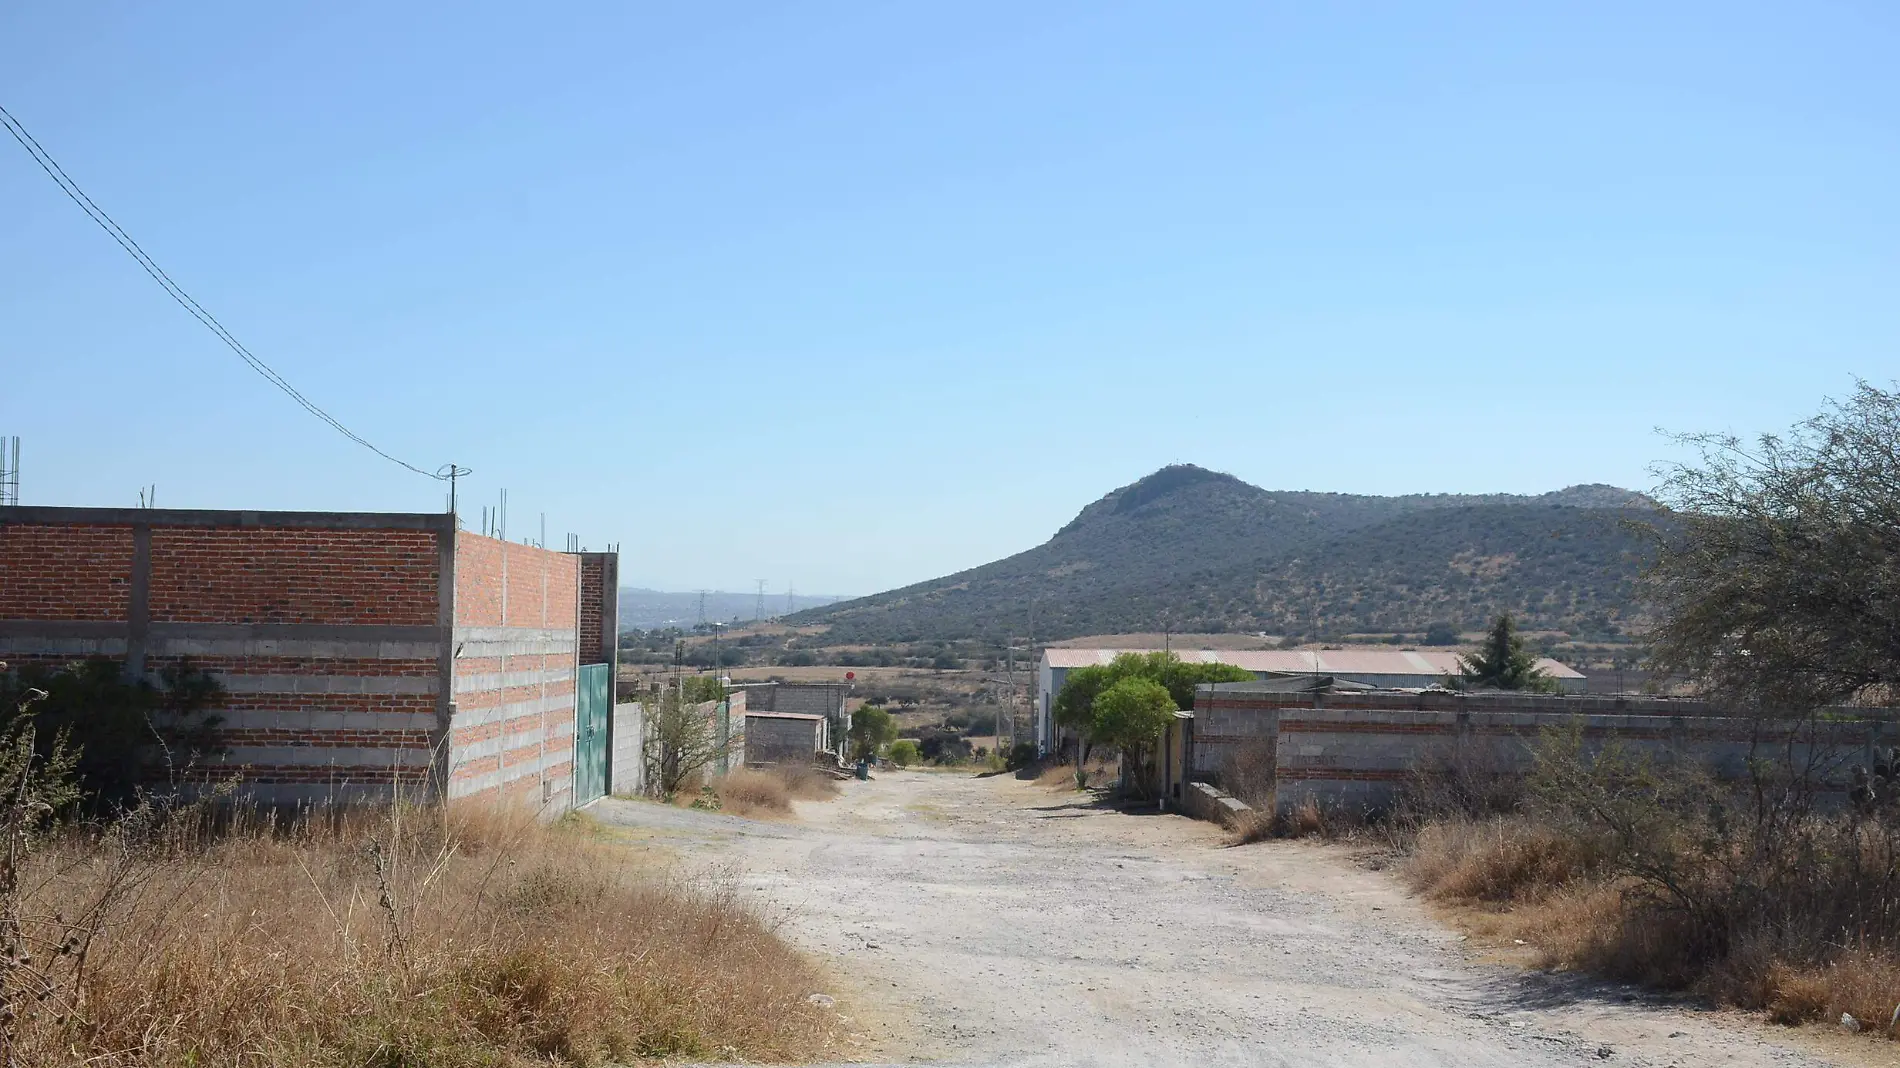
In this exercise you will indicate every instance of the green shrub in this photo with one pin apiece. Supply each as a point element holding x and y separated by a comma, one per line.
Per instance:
<point>903,753</point>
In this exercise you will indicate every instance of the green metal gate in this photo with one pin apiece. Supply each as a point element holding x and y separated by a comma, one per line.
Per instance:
<point>593,727</point>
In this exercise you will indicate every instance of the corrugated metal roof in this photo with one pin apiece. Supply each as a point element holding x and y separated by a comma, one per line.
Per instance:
<point>781,715</point>
<point>1307,661</point>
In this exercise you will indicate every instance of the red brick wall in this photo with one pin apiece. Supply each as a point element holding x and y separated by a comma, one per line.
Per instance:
<point>271,575</point>
<point>324,702</point>
<point>68,572</point>
<point>502,744</point>
<point>593,650</point>
<point>530,601</point>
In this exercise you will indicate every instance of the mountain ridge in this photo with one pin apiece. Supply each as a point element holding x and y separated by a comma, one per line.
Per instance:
<point>1191,548</point>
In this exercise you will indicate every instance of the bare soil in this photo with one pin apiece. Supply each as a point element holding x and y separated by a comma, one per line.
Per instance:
<point>992,921</point>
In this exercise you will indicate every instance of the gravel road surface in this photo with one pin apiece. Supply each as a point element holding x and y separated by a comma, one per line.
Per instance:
<point>987,921</point>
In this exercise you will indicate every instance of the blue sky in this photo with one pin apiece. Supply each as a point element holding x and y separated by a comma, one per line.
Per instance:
<point>853,295</point>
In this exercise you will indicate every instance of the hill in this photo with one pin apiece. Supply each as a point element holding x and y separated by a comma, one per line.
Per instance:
<point>1201,550</point>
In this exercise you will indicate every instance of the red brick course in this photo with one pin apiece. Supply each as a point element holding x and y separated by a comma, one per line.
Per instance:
<point>327,739</point>
<point>479,566</point>
<point>67,572</point>
<point>299,665</point>
<point>278,575</point>
<point>329,702</point>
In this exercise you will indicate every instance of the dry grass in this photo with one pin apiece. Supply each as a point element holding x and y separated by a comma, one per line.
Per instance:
<point>407,937</point>
<point>745,792</point>
<point>1057,776</point>
<point>769,792</point>
<point>1497,861</point>
<point>808,783</point>
<point>1515,879</point>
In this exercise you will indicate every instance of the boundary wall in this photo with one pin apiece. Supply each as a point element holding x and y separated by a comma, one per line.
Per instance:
<point>327,630</point>
<point>362,655</point>
<point>1356,750</point>
<point>516,651</point>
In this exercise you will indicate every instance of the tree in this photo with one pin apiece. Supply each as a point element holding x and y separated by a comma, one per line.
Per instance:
<point>1777,575</point>
<point>702,688</point>
<point>1502,663</point>
<point>872,729</point>
<point>903,753</point>
<point>1075,704</point>
<point>1440,632</point>
<point>1130,716</point>
<point>683,740</point>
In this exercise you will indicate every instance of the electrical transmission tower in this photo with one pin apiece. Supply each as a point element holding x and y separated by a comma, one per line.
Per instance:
<point>702,610</point>
<point>791,601</point>
<point>758,610</point>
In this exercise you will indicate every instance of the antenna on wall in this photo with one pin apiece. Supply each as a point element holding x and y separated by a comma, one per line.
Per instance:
<point>10,470</point>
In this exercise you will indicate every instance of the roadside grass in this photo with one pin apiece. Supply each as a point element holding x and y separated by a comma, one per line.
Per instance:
<point>1609,861</point>
<point>769,792</point>
<point>460,937</point>
<point>1062,776</point>
<point>1057,776</point>
<point>1803,938</point>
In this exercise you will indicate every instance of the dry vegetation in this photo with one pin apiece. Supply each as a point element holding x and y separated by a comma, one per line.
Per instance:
<point>403,937</point>
<point>1756,894</point>
<point>771,791</point>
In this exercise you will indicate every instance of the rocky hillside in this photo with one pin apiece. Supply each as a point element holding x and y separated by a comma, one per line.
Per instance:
<point>1194,549</point>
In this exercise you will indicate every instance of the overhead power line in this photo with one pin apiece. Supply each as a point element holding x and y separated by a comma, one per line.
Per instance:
<point>447,473</point>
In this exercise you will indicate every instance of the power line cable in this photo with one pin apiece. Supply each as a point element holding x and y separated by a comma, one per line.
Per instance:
<point>446,473</point>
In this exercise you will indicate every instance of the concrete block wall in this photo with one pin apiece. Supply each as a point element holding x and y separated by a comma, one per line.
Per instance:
<point>516,648</point>
<point>780,738</point>
<point>1357,750</point>
<point>627,770</point>
<point>327,630</point>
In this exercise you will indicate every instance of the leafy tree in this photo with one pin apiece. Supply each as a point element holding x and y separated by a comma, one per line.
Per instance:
<point>872,729</point>
<point>1075,704</point>
<point>1440,632</point>
<point>1777,576</point>
<point>702,688</point>
<point>683,739</point>
<point>1181,676</point>
<point>903,752</point>
<point>1131,715</point>
<point>1502,663</point>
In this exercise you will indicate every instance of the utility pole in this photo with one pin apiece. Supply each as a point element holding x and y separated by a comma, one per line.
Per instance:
<point>1010,659</point>
<point>725,706</point>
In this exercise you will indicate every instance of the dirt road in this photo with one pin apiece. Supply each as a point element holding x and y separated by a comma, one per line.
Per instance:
<point>994,922</point>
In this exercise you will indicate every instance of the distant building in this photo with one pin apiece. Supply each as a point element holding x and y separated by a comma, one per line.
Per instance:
<point>1386,669</point>
<point>789,738</point>
<point>822,700</point>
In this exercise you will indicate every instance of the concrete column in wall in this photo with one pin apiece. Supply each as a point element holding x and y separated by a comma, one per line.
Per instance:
<point>443,743</point>
<point>138,612</point>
